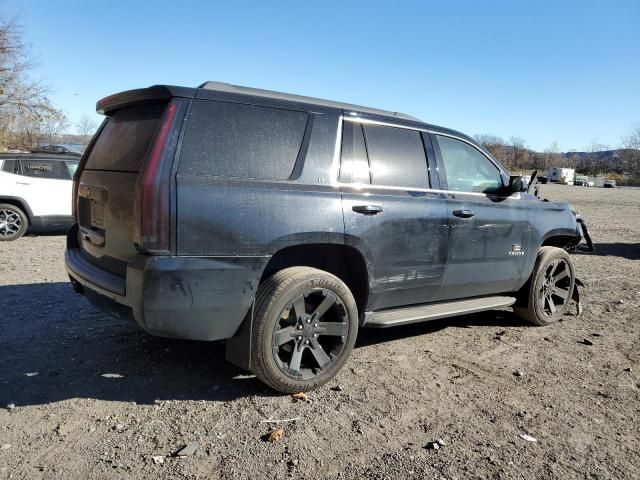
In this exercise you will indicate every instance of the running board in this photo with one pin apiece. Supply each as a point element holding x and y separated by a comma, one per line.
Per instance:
<point>422,313</point>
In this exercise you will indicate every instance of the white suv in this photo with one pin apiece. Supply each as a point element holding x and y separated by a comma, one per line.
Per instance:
<point>36,190</point>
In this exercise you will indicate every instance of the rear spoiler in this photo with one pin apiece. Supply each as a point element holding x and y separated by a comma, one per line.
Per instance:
<point>142,95</point>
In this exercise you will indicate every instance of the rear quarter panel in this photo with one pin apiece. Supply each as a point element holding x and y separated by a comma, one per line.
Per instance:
<point>226,217</point>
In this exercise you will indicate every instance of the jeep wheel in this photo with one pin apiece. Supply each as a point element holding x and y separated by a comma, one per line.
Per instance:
<point>547,294</point>
<point>304,328</point>
<point>13,222</point>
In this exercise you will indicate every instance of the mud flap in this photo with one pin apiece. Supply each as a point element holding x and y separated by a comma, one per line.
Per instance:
<point>576,296</point>
<point>238,347</point>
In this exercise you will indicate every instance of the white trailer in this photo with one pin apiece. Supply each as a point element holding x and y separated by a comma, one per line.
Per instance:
<point>565,176</point>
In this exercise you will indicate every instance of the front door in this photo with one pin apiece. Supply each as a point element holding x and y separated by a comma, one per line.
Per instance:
<point>489,229</point>
<point>390,215</point>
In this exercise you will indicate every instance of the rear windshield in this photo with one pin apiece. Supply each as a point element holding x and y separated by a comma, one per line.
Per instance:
<point>124,140</point>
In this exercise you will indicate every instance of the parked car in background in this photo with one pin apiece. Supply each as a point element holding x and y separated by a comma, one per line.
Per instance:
<point>609,184</point>
<point>283,224</point>
<point>58,149</point>
<point>35,190</point>
<point>580,181</point>
<point>583,181</point>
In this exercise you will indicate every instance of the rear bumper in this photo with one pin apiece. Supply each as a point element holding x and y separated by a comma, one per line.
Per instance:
<point>179,297</point>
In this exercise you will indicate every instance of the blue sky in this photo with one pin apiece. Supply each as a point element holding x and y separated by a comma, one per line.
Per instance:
<point>547,71</point>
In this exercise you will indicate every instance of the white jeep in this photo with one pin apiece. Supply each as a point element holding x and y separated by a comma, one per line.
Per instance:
<point>35,190</point>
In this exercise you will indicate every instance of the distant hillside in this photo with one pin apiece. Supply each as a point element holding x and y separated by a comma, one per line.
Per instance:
<point>605,157</point>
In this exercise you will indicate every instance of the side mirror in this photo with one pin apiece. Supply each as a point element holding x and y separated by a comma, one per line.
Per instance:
<point>516,184</point>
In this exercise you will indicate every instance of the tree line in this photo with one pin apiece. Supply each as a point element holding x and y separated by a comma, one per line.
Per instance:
<point>596,159</point>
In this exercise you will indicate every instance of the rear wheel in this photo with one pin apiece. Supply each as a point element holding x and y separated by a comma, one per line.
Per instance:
<point>547,295</point>
<point>305,325</point>
<point>13,222</point>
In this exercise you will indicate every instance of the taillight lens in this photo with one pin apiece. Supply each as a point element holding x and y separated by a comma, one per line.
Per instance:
<point>152,212</point>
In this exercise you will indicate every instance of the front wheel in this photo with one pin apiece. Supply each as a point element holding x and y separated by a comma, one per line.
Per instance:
<point>547,295</point>
<point>13,222</point>
<point>304,328</point>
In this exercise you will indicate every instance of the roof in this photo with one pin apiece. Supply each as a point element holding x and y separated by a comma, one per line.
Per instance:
<point>257,92</point>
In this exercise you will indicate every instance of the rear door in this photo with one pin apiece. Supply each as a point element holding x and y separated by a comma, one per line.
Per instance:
<point>390,214</point>
<point>46,186</point>
<point>489,229</point>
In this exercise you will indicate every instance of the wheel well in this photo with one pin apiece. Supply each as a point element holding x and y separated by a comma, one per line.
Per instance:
<point>560,241</point>
<point>17,203</point>
<point>343,261</point>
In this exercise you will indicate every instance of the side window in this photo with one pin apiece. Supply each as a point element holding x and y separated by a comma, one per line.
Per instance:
<point>468,170</point>
<point>354,165</point>
<point>397,157</point>
<point>51,169</point>
<point>241,141</point>
<point>11,166</point>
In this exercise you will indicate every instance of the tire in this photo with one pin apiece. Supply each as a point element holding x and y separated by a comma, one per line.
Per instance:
<point>304,328</point>
<point>546,296</point>
<point>13,222</point>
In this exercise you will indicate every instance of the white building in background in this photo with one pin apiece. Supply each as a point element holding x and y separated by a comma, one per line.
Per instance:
<point>566,176</point>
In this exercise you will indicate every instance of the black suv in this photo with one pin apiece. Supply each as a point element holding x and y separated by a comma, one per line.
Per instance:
<point>283,224</point>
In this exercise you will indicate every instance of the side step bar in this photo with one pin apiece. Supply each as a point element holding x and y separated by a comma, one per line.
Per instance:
<point>421,313</point>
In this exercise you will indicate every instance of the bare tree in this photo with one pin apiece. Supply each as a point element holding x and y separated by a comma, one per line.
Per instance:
<point>551,157</point>
<point>518,153</point>
<point>594,162</point>
<point>495,145</point>
<point>630,156</point>
<point>27,117</point>
<point>87,125</point>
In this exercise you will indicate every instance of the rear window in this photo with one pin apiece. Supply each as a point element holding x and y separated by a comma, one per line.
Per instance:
<point>241,141</point>
<point>125,138</point>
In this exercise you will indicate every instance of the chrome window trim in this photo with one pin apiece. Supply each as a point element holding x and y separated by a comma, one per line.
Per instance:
<point>365,186</point>
<point>367,121</point>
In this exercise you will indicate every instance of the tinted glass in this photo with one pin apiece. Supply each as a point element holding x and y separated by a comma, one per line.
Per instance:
<point>466,168</point>
<point>397,157</point>
<point>53,169</point>
<point>11,166</point>
<point>241,141</point>
<point>72,167</point>
<point>124,140</point>
<point>354,166</point>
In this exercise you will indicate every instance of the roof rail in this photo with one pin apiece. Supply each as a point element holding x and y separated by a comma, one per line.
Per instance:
<point>257,92</point>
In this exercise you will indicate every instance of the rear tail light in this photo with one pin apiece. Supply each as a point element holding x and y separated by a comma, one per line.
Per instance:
<point>152,211</point>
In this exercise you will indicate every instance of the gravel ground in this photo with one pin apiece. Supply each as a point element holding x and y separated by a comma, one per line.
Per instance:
<point>87,396</point>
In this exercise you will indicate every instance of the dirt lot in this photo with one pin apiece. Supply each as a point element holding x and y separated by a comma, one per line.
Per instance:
<point>86,396</point>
